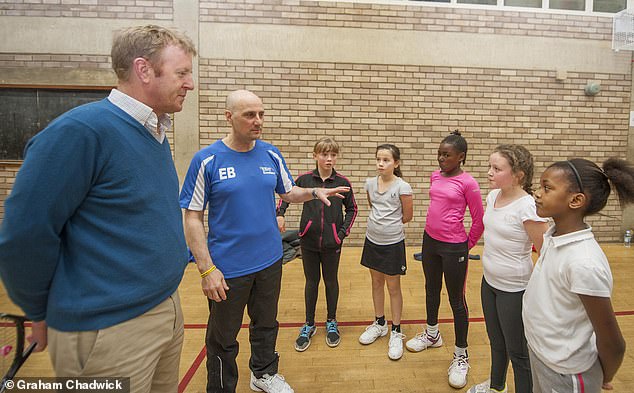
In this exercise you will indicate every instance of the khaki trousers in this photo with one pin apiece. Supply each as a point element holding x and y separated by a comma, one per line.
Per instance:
<point>146,348</point>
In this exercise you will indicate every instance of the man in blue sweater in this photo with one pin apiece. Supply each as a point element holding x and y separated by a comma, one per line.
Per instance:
<point>240,262</point>
<point>92,245</point>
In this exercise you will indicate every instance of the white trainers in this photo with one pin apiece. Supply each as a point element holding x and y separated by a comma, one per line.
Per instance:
<point>458,371</point>
<point>395,347</point>
<point>423,341</point>
<point>270,384</point>
<point>373,332</point>
<point>485,387</point>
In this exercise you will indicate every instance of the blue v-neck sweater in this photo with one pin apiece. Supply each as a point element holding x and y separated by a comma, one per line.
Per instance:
<point>92,233</point>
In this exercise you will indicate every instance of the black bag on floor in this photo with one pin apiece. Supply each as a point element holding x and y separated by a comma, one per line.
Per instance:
<point>290,243</point>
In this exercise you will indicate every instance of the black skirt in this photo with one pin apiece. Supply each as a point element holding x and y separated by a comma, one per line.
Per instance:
<point>389,259</point>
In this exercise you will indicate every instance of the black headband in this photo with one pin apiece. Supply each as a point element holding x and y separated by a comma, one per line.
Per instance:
<point>574,170</point>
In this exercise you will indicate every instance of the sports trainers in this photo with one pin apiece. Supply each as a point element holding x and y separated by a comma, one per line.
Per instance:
<point>303,340</point>
<point>423,341</point>
<point>395,347</point>
<point>458,371</point>
<point>270,384</point>
<point>373,332</point>
<point>332,333</point>
<point>485,387</point>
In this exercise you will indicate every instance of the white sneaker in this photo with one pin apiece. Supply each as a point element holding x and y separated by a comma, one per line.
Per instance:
<point>395,347</point>
<point>373,332</point>
<point>423,341</point>
<point>270,384</point>
<point>458,371</point>
<point>485,387</point>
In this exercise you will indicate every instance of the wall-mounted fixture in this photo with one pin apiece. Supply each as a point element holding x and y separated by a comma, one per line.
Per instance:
<point>592,88</point>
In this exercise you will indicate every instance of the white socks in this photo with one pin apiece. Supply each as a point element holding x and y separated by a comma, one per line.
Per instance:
<point>460,352</point>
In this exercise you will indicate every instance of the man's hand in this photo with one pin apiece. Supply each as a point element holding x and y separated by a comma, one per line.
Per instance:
<point>323,193</point>
<point>214,286</point>
<point>39,335</point>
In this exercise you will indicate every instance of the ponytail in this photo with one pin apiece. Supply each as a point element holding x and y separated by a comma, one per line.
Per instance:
<point>621,174</point>
<point>586,177</point>
<point>458,142</point>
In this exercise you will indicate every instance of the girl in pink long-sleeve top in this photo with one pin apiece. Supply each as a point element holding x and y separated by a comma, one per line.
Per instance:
<point>446,245</point>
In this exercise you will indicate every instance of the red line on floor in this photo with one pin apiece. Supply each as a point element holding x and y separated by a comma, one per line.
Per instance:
<point>365,323</point>
<point>349,323</point>
<point>201,356</point>
<point>192,370</point>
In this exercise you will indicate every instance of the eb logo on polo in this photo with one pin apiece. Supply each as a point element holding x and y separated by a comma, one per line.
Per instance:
<point>227,173</point>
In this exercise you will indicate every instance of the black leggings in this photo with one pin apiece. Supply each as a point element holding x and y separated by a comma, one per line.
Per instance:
<point>452,260</point>
<point>503,318</point>
<point>328,260</point>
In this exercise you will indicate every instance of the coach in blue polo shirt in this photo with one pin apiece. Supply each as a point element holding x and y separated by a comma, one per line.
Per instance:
<point>240,261</point>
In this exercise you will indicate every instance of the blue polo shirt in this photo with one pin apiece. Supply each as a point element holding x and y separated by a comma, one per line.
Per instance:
<point>239,190</point>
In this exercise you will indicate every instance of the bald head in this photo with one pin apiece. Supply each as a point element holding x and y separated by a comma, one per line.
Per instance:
<point>245,115</point>
<point>239,98</point>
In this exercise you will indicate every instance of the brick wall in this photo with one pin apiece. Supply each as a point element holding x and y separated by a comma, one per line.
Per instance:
<point>103,9</point>
<point>363,105</point>
<point>417,16</point>
<point>58,60</point>
<point>8,170</point>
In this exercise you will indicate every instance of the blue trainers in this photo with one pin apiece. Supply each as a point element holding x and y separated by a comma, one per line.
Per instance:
<point>303,340</point>
<point>332,333</point>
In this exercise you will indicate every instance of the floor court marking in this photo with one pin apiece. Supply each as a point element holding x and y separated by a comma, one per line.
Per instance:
<point>192,370</point>
<point>201,356</point>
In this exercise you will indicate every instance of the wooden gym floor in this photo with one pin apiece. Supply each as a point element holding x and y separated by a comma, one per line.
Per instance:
<point>352,367</point>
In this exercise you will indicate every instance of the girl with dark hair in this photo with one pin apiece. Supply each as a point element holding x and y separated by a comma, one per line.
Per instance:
<point>573,337</point>
<point>511,227</point>
<point>391,206</point>
<point>446,248</point>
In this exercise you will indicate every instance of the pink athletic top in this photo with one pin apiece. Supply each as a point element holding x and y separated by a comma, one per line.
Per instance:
<point>449,197</point>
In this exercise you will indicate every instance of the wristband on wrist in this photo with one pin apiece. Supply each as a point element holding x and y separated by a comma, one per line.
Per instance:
<point>314,193</point>
<point>207,272</point>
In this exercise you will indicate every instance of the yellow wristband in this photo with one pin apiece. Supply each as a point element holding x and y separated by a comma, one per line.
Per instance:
<point>208,272</point>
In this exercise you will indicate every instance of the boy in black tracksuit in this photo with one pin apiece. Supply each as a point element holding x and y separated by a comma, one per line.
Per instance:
<point>322,230</point>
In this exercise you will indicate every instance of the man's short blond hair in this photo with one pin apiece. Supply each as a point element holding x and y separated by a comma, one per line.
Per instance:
<point>147,42</point>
